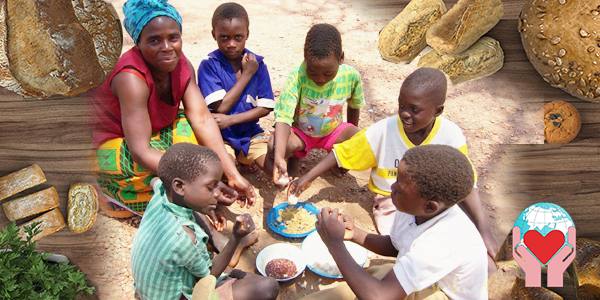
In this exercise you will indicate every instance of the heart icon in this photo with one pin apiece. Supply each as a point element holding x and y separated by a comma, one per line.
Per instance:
<point>543,247</point>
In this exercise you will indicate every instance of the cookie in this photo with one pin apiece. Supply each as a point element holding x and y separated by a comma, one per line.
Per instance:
<point>562,122</point>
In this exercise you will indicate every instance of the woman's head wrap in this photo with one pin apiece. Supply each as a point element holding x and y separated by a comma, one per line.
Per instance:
<point>138,13</point>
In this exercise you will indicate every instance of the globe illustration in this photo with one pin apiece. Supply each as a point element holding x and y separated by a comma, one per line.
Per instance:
<point>544,217</point>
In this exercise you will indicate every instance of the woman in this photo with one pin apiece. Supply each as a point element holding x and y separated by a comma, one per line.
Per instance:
<point>138,110</point>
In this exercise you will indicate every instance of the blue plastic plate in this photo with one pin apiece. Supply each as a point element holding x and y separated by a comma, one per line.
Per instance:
<point>279,227</point>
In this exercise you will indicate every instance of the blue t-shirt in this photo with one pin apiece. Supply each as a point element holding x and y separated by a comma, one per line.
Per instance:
<point>216,77</point>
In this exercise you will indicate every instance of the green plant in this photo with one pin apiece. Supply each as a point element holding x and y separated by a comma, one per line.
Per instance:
<point>24,273</point>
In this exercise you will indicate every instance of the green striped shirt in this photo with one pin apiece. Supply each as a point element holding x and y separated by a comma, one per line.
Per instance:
<point>318,110</point>
<point>165,262</point>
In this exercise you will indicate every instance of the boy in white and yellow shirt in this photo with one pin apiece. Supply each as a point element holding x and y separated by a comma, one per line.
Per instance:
<point>381,146</point>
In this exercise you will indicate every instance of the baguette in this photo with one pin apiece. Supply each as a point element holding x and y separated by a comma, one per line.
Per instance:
<point>21,180</point>
<point>82,207</point>
<point>403,38</point>
<point>31,205</point>
<point>483,59</point>
<point>51,222</point>
<point>463,25</point>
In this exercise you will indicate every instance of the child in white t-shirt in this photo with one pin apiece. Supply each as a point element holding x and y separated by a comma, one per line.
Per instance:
<point>439,252</point>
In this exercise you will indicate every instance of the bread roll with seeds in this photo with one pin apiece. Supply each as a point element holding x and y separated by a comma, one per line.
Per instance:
<point>31,205</point>
<point>463,25</point>
<point>562,41</point>
<point>403,38</point>
<point>482,59</point>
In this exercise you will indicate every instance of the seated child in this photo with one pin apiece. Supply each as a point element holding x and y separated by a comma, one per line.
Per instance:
<point>309,112</point>
<point>439,253</point>
<point>236,86</point>
<point>381,146</point>
<point>169,251</point>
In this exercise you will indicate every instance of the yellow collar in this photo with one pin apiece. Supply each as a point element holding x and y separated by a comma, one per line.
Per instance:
<point>436,127</point>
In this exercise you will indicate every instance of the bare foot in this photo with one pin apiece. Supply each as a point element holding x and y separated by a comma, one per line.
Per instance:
<point>246,242</point>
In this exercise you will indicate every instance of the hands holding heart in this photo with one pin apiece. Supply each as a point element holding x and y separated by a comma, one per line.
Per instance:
<point>541,250</point>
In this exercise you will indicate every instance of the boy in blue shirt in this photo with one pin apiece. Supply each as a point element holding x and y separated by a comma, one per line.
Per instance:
<point>236,86</point>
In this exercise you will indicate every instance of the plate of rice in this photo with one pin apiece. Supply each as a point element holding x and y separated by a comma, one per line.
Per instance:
<point>319,260</point>
<point>293,221</point>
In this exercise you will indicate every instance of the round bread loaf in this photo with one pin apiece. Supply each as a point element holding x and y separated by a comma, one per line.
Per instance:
<point>63,47</point>
<point>562,41</point>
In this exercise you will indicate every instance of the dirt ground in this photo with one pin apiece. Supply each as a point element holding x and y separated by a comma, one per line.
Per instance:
<point>277,31</point>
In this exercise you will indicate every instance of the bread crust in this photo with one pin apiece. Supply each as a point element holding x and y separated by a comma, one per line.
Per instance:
<point>484,58</point>
<point>463,25</point>
<point>403,38</point>
<point>562,42</point>
<point>82,207</point>
<point>51,222</point>
<point>21,180</point>
<point>31,205</point>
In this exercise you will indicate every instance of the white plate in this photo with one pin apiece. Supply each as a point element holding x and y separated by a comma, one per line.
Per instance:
<point>280,250</point>
<point>316,252</point>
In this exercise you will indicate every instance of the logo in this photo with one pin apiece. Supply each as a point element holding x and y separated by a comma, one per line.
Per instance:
<point>544,236</point>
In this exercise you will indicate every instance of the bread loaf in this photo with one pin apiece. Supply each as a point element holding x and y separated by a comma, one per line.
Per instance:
<point>31,205</point>
<point>21,180</point>
<point>562,41</point>
<point>587,262</point>
<point>61,47</point>
<point>101,20</point>
<point>463,25</point>
<point>403,38</point>
<point>50,223</point>
<point>7,80</point>
<point>82,207</point>
<point>483,59</point>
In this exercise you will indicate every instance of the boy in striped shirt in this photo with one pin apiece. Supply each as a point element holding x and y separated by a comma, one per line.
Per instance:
<point>169,252</point>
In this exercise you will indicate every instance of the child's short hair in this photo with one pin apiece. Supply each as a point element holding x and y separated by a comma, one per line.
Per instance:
<point>185,161</point>
<point>321,41</point>
<point>441,173</point>
<point>229,11</point>
<point>430,80</point>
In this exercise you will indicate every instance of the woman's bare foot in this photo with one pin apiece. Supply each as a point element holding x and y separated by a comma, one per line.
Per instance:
<point>246,242</point>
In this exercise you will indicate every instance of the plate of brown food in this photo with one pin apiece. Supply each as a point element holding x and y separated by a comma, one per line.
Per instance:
<point>281,261</point>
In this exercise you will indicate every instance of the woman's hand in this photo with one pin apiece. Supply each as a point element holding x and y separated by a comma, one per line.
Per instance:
<point>246,195</point>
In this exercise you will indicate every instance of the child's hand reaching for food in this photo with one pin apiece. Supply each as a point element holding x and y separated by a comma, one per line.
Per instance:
<point>330,225</point>
<point>243,226</point>
<point>349,228</point>
<point>280,174</point>
<point>297,186</point>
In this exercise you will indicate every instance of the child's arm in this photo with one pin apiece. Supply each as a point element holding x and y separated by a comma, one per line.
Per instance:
<point>254,114</point>
<point>352,154</point>
<point>249,68</point>
<point>376,243</point>
<point>364,286</point>
<point>353,114</point>
<point>282,135</point>
<point>472,206</point>
<point>242,227</point>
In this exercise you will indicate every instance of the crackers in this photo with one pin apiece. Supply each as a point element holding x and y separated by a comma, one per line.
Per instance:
<point>562,122</point>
